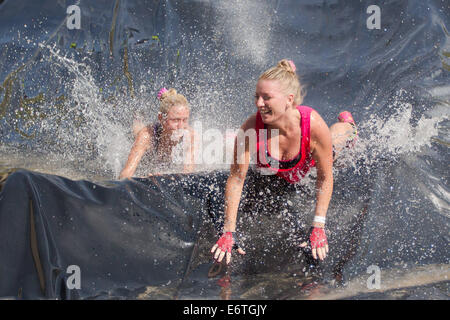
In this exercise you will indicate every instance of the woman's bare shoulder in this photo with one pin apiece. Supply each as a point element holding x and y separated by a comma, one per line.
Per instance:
<point>320,133</point>
<point>317,123</point>
<point>145,134</point>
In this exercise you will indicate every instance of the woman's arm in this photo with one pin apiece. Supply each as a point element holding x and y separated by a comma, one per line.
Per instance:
<point>321,149</point>
<point>233,189</point>
<point>140,146</point>
<point>235,183</point>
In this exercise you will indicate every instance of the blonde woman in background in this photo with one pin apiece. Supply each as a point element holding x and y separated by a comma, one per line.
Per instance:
<point>159,139</point>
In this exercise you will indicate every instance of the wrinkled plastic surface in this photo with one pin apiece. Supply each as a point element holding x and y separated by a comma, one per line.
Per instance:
<point>391,211</point>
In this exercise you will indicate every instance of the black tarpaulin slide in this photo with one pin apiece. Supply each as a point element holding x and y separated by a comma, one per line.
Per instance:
<point>68,239</point>
<point>150,238</point>
<point>122,234</point>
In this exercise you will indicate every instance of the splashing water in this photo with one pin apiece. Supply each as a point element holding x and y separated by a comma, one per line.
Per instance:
<point>389,139</point>
<point>97,129</point>
<point>80,121</point>
<point>248,24</point>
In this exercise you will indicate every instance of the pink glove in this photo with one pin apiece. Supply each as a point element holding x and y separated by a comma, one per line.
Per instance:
<point>318,238</point>
<point>226,242</point>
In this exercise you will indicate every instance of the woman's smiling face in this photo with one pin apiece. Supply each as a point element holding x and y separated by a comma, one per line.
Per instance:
<point>271,100</point>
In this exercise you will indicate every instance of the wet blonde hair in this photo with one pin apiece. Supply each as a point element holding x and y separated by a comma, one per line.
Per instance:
<point>284,72</point>
<point>169,99</point>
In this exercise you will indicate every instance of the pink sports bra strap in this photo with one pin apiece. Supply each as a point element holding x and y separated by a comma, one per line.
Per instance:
<point>305,113</point>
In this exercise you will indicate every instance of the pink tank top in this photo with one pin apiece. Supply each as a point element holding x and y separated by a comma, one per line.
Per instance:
<point>290,170</point>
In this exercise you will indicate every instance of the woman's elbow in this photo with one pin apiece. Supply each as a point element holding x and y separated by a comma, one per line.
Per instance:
<point>325,176</point>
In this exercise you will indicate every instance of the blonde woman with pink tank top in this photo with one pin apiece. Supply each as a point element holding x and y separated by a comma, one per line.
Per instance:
<point>303,140</point>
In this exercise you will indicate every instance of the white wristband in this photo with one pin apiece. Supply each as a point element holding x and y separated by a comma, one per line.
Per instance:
<point>319,219</point>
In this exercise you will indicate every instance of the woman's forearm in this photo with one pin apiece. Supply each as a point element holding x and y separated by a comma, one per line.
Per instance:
<point>131,165</point>
<point>324,190</point>
<point>233,192</point>
<point>126,173</point>
<point>238,172</point>
<point>140,146</point>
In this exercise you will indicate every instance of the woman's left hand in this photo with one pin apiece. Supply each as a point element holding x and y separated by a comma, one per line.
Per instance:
<point>319,243</point>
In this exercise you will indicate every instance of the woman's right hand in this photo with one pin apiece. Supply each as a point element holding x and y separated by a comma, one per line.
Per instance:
<point>224,246</point>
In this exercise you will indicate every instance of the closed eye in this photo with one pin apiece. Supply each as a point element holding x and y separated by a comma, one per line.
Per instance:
<point>265,98</point>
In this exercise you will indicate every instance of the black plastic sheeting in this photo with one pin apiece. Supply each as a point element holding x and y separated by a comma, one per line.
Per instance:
<point>121,235</point>
<point>124,235</point>
<point>131,235</point>
<point>150,238</point>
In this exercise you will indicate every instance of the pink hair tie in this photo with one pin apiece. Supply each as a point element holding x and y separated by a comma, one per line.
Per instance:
<point>161,92</point>
<point>292,65</point>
